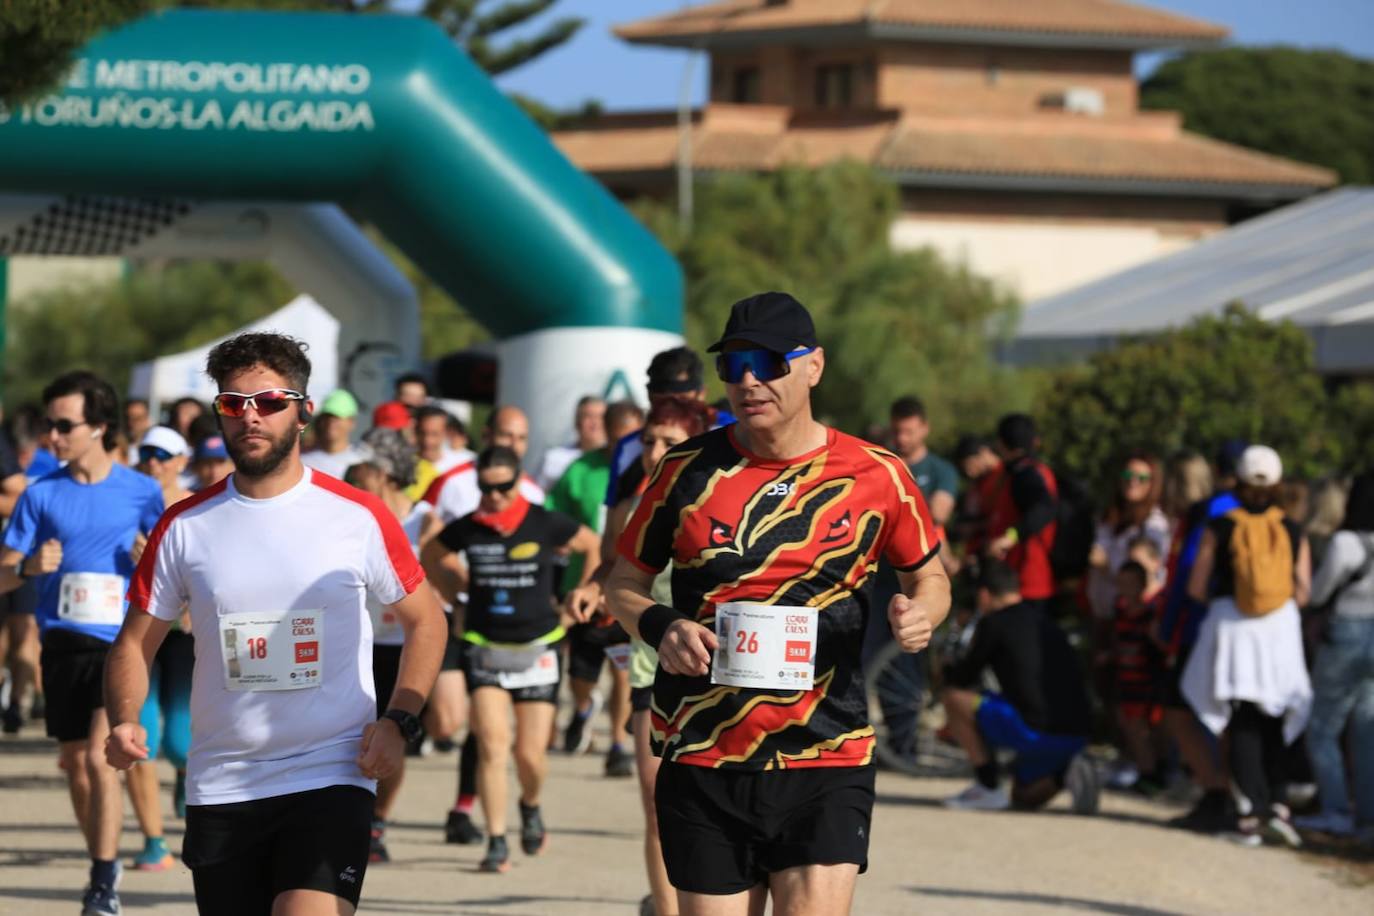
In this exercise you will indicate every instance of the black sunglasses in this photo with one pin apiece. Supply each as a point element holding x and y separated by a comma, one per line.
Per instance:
<point>63,426</point>
<point>496,487</point>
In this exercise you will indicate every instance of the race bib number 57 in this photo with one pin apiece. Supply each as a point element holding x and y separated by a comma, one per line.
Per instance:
<point>766,646</point>
<point>272,650</point>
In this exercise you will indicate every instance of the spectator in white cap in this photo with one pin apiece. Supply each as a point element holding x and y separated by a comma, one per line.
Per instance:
<point>163,455</point>
<point>1247,676</point>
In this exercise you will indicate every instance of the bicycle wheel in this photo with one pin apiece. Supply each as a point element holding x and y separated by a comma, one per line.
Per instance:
<point>905,716</point>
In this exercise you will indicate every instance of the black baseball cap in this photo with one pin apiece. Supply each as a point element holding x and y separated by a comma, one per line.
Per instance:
<point>774,321</point>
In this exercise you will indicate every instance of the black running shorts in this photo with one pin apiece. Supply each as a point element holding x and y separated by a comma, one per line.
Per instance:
<point>243,854</point>
<point>587,644</point>
<point>73,667</point>
<point>725,831</point>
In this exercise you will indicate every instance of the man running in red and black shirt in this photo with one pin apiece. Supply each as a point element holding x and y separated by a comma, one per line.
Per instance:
<point>1022,524</point>
<point>773,526</point>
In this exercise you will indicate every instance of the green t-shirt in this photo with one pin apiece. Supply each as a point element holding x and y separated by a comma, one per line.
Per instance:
<point>935,475</point>
<point>581,492</point>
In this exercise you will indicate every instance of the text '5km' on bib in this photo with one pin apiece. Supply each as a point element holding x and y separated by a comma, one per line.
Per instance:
<point>766,646</point>
<point>272,650</point>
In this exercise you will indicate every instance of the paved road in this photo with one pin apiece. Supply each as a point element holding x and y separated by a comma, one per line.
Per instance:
<point>924,859</point>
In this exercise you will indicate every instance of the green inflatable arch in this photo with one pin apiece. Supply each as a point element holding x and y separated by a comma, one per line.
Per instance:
<point>385,116</point>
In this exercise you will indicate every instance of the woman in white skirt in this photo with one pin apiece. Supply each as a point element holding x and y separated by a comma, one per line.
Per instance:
<point>1246,675</point>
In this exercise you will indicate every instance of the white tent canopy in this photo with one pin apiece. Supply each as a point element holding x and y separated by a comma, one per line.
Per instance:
<point>180,375</point>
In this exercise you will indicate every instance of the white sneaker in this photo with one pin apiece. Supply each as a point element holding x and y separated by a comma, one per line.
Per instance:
<point>1123,775</point>
<point>1329,822</point>
<point>979,797</point>
<point>1084,785</point>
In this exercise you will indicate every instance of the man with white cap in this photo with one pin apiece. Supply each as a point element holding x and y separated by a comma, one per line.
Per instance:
<point>1247,676</point>
<point>333,453</point>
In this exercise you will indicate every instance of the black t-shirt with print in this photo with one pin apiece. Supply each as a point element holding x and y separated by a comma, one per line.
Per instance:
<point>510,588</point>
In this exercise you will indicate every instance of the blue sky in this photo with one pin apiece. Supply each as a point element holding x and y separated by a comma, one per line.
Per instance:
<point>597,65</point>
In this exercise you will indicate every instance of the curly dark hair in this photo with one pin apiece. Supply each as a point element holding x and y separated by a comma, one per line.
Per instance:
<point>100,404</point>
<point>283,355</point>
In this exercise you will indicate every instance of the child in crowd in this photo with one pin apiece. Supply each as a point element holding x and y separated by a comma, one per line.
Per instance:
<point>1137,660</point>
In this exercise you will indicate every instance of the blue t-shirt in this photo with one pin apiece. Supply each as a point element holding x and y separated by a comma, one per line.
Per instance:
<point>1182,615</point>
<point>41,464</point>
<point>95,523</point>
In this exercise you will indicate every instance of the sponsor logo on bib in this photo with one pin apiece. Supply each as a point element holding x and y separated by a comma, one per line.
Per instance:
<point>798,651</point>
<point>307,652</point>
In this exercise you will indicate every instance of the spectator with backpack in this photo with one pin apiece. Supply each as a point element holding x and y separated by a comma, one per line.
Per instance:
<point>1023,518</point>
<point>1343,676</point>
<point>1246,676</point>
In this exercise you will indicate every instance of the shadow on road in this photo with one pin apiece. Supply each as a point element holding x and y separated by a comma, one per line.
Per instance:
<point>72,895</point>
<point>1047,900</point>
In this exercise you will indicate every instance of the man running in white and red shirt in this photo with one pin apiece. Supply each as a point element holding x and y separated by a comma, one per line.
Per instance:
<point>454,493</point>
<point>276,563</point>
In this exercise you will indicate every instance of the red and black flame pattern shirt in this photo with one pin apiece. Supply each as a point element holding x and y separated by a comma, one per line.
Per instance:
<point>807,532</point>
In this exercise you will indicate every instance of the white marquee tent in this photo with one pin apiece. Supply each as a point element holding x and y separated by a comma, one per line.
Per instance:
<point>179,375</point>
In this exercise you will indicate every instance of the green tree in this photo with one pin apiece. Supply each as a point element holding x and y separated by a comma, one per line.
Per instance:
<point>1219,378</point>
<point>38,38</point>
<point>892,322</point>
<point>1314,106</point>
<point>109,328</point>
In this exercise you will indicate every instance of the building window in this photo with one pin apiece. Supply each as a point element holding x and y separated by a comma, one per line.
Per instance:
<point>744,90</point>
<point>834,85</point>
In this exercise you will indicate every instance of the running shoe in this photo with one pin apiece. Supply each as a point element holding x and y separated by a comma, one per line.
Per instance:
<point>646,906</point>
<point>1244,831</point>
<point>155,855</point>
<point>979,797</point>
<point>100,900</point>
<point>1123,775</point>
<point>1085,788</point>
<point>1301,794</point>
<point>39,710</point>
<point>1211,814</point>
<point>532,835</point>
<point>179,795</point>
<point>13,719</point>
<point>619,763</point>
<point>1278,829</point>
<point>577,739</point>
<point>1332,823</point>
<point>461,830</point>
<point>497,859</point>
<point>376,848</point>
<point>443,745</point>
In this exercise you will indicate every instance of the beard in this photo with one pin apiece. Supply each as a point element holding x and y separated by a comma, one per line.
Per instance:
<point>262,465</point>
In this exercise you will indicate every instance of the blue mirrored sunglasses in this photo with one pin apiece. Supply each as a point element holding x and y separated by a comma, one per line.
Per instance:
<point>148,453</point>
<point>766,365</point>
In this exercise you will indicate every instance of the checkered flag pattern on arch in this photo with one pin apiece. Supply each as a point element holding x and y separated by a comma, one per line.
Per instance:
<point>91,226</point>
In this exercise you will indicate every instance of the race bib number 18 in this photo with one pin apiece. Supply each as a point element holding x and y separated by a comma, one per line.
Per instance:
<point>272,650</point>
<point>766,646</point>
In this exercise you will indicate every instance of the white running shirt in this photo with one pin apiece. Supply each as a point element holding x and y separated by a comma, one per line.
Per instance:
<point>386,630</point>
<point>321,546</point>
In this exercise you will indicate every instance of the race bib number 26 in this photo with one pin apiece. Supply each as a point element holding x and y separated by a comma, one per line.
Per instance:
<point>766,646</point>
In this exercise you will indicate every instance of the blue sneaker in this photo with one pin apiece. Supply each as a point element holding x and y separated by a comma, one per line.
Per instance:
<point>100,900</point>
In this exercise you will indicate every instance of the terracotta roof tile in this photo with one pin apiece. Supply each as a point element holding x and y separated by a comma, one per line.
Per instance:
<point>1036,147</point>
<point>1078,17</point>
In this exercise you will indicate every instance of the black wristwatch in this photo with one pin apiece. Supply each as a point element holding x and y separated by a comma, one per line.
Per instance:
<point>407,723</point>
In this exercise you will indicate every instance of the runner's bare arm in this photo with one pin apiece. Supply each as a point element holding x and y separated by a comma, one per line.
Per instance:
<point>941,507</point>
<point>444,569</point>
<point>426,636</point>
<point>126,685</point>
<point>588,543</point>
<point>44,560</point>
<point>920,607</point>
<point>684,646</point>
<point>11,488</point>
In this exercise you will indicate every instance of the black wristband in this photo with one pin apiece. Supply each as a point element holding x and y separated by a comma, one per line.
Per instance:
<point>654,623</point>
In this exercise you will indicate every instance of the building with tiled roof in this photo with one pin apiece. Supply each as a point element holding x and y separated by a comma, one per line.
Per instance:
<point>1011,126</point>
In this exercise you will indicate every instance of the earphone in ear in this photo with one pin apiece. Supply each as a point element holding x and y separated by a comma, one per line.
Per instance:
<point>304,412</point>
<point>97,433</point>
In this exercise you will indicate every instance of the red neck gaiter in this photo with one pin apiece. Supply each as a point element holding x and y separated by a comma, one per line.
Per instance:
<point>508,519</point>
